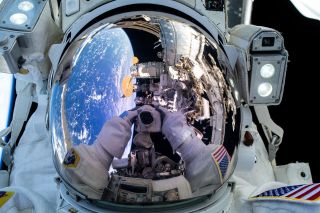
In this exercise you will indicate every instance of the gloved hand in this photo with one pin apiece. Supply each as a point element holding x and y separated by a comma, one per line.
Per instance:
<point>115,134</point>
<point>175,128</point>
<point>163,112</point>
<point>88,165</point>
<point>130,115</point>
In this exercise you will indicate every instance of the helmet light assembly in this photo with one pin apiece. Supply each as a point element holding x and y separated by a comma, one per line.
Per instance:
<point>263,64</point>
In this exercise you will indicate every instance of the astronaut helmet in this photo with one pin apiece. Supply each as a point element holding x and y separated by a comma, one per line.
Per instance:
<point>141,60</point>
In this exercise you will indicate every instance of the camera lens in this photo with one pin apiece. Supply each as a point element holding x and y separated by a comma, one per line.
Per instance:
<point>268,41</point>
<point>146,117</point>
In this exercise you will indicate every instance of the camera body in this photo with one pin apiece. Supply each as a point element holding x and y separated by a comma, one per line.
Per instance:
<point>148,120</point>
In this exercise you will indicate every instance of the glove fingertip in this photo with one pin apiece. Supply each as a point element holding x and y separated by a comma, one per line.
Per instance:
<point>124,114</point>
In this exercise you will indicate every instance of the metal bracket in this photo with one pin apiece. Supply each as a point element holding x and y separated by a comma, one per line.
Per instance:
<point>272,131</point>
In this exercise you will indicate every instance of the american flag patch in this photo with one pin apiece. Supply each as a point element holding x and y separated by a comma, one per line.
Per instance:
<point>299,193</point>
<point>222,159</point>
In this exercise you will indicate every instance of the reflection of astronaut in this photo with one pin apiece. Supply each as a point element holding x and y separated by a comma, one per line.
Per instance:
<point>89,165</point>
<point>187,64</point>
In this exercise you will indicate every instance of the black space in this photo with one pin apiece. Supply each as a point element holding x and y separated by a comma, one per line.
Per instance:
<point>298,112</point>
<point>143,44</point>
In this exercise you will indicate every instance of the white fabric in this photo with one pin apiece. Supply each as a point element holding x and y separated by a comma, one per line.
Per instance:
<point>25,200</point>
<point>261,179</point>
<point>283,207</point>
<point>34,75</point>
<point>308,8</point>
<point>293,173</point>
<point>33,171</point>
<point>248,182</point>
<point>4,178</point>
<point>246,158</point>
<point>21,111</point>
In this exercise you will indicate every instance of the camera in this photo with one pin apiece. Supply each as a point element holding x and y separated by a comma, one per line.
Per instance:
<point>149,119</point>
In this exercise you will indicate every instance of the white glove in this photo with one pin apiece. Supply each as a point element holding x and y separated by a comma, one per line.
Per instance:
<point>87,165</point>
<point>130,115</point>
<point>175,128</point>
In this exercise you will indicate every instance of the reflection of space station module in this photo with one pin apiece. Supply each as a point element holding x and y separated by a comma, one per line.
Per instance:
<point>182,81</point>
<point>187,61</point>
<point>177,89</point>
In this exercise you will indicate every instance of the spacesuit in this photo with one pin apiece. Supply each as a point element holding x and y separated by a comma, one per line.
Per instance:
<point>89,165</point>
<point>36,191</point>
<point>206,75</point>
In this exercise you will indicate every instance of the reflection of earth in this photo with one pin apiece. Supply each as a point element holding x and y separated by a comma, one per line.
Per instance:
<point>92,94</point>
